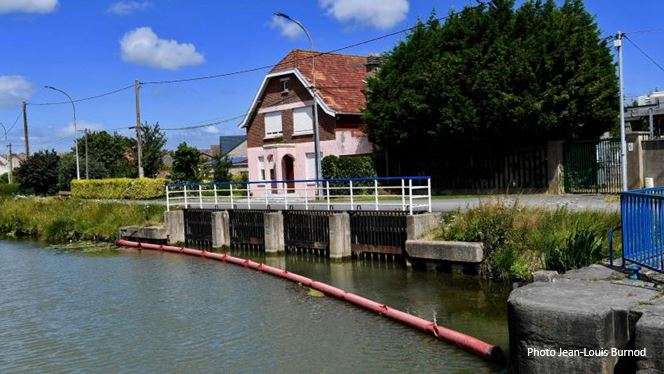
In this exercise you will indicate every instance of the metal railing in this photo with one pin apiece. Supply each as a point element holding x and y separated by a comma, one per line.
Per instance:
<point>410,194</point>
<point>642,216</point>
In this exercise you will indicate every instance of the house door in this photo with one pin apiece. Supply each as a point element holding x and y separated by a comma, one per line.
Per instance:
<point>288,172</point>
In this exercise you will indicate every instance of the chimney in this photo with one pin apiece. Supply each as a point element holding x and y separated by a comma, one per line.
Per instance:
<point>373,62</point>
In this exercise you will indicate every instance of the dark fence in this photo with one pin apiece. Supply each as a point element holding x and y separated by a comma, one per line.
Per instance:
<point>642,217</point>
<point>198,228</point>
<point>478,168</point>
<point>307,229</point>
<point>247,227</point>
<point>592,166</point>
<point>378,231</point>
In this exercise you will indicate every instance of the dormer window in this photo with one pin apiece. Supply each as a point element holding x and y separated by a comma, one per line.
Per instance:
<point>284,85</point>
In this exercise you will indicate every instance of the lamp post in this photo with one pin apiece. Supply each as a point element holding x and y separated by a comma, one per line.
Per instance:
<point>9,158</point>
<point>78,169</point>
<point>312,90</point>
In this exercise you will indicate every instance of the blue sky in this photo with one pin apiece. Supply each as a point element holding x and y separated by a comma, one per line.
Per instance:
<point>90,47</point>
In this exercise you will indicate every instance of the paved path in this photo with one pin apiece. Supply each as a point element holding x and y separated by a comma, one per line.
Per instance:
<point>449,203</point>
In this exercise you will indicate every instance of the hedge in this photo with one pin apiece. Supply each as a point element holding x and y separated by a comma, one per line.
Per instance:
<point>119,188</point>
<point>347,167</point>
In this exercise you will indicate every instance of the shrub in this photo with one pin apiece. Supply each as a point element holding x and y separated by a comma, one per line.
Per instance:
<point>519,240</point>
<point>39,173</point>
<point>334,167</point>
<point>9,189</point>
<point>119,188</point>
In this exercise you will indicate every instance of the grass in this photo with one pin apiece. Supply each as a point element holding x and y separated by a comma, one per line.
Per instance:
<point>55,220</point>
<point>519,240</point>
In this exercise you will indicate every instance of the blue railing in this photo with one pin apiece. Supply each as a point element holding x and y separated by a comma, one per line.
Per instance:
<point>642,216</point>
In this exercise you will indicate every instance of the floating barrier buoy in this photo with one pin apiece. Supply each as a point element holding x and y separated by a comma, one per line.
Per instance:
<point>468,343</point>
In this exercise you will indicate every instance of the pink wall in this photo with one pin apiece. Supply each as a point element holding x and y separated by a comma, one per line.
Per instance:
<point>346,142</point>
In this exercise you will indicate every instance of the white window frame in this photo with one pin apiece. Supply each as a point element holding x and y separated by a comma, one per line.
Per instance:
<point>261,168</point>
<point>271,130</point>
<point>311,165</point>
<point>299,113</point>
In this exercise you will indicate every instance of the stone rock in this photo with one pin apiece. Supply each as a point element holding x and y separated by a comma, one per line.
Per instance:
<point>594,273</point>
<point>545,276</point>
<point>650,335</point>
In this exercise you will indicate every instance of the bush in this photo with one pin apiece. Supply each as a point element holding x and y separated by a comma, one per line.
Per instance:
<point>39,173</point>
<point>119,188</point>
<point>8,189</point>
<point>347,167</point>
<point>519,240</point>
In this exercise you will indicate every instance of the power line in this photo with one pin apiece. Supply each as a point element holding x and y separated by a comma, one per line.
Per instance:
<point>205,124</point>
<point>645,54</point>
<point>87,98</point>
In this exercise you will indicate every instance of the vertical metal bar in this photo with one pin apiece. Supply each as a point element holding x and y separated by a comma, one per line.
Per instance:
<point>214,186</point>
<point>376,193</point>
<point>246,187</point>
<point>200,196</point>
<point>230,186</point>
<point>351,196</point>
<point>186,205</point>
<point>168,205</point>
<point>403,194</point>
<point>306,196</point>
<point>285,196</point>
<point>410,196</point>
<point>429,192</point>
<point>266,192</point>
<point>327,188</point>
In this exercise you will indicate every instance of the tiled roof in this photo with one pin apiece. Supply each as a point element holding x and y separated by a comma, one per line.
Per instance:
<point>339,78</point>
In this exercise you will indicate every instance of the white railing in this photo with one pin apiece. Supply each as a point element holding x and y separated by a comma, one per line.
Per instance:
<point>411,194</point>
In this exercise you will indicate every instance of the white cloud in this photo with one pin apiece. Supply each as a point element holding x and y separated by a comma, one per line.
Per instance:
<point>14,89</point>
<point>381,14</point>
<point>27,6</point>
<point>211,129</point>
<point>142,46</point>
<point>125,7</point>
<point>80,126</point>
<point>287,28</point>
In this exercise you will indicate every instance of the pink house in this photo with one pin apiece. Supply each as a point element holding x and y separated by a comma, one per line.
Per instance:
<point>279,123</point>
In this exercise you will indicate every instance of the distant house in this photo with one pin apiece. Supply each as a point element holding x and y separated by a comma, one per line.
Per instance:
<point>235,147</point>
<point>279,123</point>
<point>4,162</point>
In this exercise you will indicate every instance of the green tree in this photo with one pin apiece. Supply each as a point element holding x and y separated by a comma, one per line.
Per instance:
<point>186,163</point>
<point>112,151</point>
<point>221,166</point>
<point>67,170</point>
<point>492,74</point>
<point>39,173</point>
<point>153,140</point>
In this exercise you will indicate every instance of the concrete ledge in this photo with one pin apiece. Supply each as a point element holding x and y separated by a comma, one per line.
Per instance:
<point>418,226</point>
<point>438,250</point>
<point>157,234</point>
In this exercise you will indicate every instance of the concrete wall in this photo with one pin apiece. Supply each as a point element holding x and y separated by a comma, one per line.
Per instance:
<point>554,160</point>
<point>221,234</point>
<point>635,159</point>
<point>274,232</point>
<point>340,244</point>
<point>419,225</point>
<point>653,160</point>
<point>174,223</point>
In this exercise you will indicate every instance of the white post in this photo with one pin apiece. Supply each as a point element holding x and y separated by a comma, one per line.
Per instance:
<point>248,196</point>
<point>327,188</point>
<point>410,196</point>
<point>231,189</point>
<point>285,196</point>
<point>168,205</point>
<point>266,198</point>
<point>376,193</point>
<point>200,196</point>
<point>403,194</point>
<point>214,186</point>
<point>186,205</point>
<point>306,196</point>
<point>352,207</point>
<point>623,143</point>
<point>429,192</point>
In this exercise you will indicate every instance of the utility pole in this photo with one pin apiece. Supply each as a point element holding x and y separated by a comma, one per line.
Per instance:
<point>139,146</point>
<point>26,137</point>
<point>11,163</point>
<point>87,175</point>
<point>623,143</point>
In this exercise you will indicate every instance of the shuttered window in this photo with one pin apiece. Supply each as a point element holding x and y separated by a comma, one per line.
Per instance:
<point>303,120</point>
<point>273,124</point>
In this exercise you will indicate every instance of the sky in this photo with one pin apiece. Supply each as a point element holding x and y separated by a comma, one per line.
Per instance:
<point>91,47</point>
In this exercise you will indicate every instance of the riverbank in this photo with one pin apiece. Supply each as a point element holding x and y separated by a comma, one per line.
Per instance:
<point>519,240</point>
<point>56,220</point>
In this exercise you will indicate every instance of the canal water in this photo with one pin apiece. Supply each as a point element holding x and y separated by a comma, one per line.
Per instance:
<point>157,312</point>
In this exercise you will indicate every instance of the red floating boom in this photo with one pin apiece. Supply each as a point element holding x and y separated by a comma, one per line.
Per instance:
<point>466,342</point>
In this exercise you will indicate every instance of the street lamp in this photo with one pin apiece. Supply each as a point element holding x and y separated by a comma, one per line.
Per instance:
<point>312,89</point>
<point>78,170</point>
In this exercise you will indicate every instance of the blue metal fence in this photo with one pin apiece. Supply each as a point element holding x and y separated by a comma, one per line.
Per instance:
<point>642,216</point>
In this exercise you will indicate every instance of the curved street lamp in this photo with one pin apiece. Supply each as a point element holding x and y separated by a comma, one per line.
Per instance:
<point>78,170</point>
<point>312,88</point>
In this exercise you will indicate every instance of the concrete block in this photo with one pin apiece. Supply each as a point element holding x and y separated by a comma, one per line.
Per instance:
<point>274,232</point>
<point>438,250</point>
<point>571,314</point>
<point>147,234</point>
<point>221,231</point>
<point>340,244</point>
<point>545,276</point>
<point>650,335</point>
<point>419,225</point>
<point>174,223</point>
